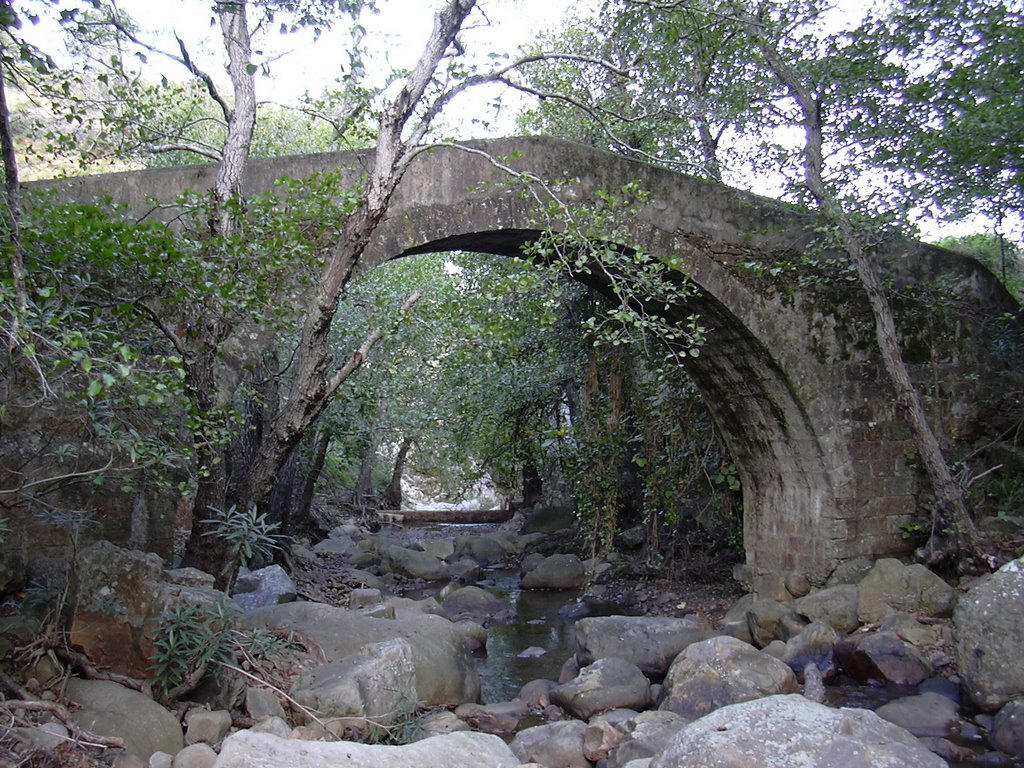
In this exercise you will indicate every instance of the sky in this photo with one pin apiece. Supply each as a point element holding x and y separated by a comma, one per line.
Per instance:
<point>395,37</point>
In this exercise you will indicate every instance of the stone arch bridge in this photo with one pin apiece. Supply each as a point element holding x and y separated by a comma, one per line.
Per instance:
<point>789,369</point>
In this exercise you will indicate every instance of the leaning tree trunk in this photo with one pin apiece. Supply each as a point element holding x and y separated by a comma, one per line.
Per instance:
<point>393,493</point>
<point>949,498</point>
<point>403,123</point>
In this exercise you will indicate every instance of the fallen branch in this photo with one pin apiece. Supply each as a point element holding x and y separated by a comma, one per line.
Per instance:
<point>91,671</point>
<point>61,712</point>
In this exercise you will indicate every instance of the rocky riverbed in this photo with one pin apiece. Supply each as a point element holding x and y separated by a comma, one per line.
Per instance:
<point>393,634</point>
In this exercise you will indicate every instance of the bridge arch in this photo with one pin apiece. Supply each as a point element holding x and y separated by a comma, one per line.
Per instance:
<point>789,371</point>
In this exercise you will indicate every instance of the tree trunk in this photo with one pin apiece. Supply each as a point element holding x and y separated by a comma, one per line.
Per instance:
<point>948,494</point>
<point>364,483</point>
<point>283,498</point>
<point>300,512</point>
<point>234,27</point>
<point>204,550</point>
<point>393,493</point>
<point>533,482</point>
<point>13,214</point>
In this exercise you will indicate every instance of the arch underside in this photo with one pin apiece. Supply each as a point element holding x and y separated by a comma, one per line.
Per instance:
<point>786,484</point>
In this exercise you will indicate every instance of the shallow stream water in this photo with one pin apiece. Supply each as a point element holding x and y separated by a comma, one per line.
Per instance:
<point>537,623</point>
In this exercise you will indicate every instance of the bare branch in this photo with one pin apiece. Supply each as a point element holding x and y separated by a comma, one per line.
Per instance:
<point>59,478</point>
<point>165,329</point>
<point>197,149</point>
<point>202,76</point>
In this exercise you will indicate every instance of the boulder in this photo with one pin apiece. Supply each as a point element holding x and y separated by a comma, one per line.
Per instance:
<point>405,607</point>
<point>892,587</point>
<point>266,586</point>
<point>555,572</point>
<point>772,586</point>
<point>815,645</point>
<point>109,709</point>
<point>722,671</point>
<point>989,627</point>
<point>475,603</point>
<point>189,577</point>
<point>120,597</point>
<point>336,545</point>
<point>412,563</point>
<point>650,642</point>
<point>364,597</point>
<point>361,579</point>
<point>797,584</point>
<point>927,714</point>
<point>262,703</point>
<point>549,519</point>
<point>850,572</point>
<point>465,570</point>
<point>537,693</point>
<point>882,658</point>
<point>608,683</point>
<point>501,717</point>
<point>484,550</point>
<point>765,619</point>
<point>836,606</point>
<point>199,755</point>
<point>734,622</point>
<point>117,603</point>
<point>909,628</point>
<point>247,749</point>
<point>445,671</point>
<point>473,634</point>
<point>644,736</point>
<point>374,687</point>
<point>792,732</point>
<point>605,732</point>
<point>438,723</point>
<point>439,548</point>
<point>555,744</point>
<point>206,726</point>
<point>1008,729</point>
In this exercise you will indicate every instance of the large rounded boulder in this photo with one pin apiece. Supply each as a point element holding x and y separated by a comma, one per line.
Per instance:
<point>989,628</point>
<point>249,749</point>
<point>793,732</point>
<point>650,642</point>
<point>445,672</point>
<point>892,587</point>
<point>554,572</point>
<point>609,683</point>
<point>722,671</point>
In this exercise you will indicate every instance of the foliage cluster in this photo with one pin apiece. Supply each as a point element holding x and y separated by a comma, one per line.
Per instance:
<point>194,639</point>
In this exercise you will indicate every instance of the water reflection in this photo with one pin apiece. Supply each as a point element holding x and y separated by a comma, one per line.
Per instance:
<point>536,623</point>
